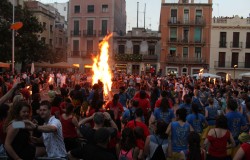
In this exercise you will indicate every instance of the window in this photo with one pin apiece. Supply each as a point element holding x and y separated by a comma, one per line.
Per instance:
<point>89,46</point>
<point>151,49</point>
<point>76,27</point>
<point>43,39</point>
<point>186,16</point>
<point>76,48</point>
<point>121,49</point>
<point>223,39</point>
<point>185,52</point>
<point>104,27</point>
<point>90,25</point>
<point>136,49</point>
<point>185,34</point>
<point>247,60</point>
<point>236,37</point>
<point>198,16</point>
<point>60,41</point>
<point>222,58</point>
<point>198,52</point>
<point>50,42</point>
<point>235,58</point>
<point>173,34</point>
<point>197,34</point>
<point>172,51</point>
<point>77,9</point>
<point>44,25</point>
<point>174,16</point>
<point>91,9</point>
<point>51,28</point>
<point>64,8</point>
<point>105,8</point>
<point>248,40</point>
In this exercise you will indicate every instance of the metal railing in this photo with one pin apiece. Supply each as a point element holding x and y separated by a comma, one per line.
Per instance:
<point>75,33</point>
<point>230,64</point>
<point>222,44</point>
<point>236,45</point>
<point>89,33</point>
<point>185,60</point>
<point>197,22</point>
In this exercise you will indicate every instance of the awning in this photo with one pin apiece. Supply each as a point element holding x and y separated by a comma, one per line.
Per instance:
<point>4,65</point>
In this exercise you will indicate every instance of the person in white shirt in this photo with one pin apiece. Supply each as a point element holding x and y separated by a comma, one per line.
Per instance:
<point>63,80</point>
<point>51,78</point>
<point>52,135</point>
<point>58,79</point>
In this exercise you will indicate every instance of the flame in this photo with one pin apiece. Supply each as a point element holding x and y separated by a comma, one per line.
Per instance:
<point>50,80</point>
<point>101,67</point>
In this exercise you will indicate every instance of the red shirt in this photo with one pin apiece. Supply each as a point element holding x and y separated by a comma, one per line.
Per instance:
<point>137,95</point>
<point>118,109</point>
<point>246,149</point>
<point>158,103</point>
<point>54,110</point>
<point>132,124</point>
<point>218,146</point>
<point>68,128</point>
<point>144,104</point>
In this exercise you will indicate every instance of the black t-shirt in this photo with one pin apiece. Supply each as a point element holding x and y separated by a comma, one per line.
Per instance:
<point>95,152</point>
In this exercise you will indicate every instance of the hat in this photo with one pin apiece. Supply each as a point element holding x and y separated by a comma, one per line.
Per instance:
<point>98,118</point>
<point>102,135</point>
<point>244,137</point>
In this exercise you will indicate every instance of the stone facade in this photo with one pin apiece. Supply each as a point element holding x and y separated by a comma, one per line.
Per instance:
<point>230,46</point>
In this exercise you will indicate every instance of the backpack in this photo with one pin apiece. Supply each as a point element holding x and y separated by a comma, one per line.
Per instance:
<point>123,156</point>
<point>159,153</point>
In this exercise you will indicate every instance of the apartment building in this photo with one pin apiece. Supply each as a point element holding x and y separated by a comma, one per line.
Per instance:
<point>230,46</point>
<point>55,33</point>
<point>88,22</point>
<point>62,8</point>
<point>137,52</point>
<point>185,27</point>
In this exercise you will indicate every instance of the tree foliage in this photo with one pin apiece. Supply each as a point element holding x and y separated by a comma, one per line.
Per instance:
<point>28,47</point>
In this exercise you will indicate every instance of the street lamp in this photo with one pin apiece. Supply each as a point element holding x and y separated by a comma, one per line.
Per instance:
<point>235,66</point>
<point>13,38</point>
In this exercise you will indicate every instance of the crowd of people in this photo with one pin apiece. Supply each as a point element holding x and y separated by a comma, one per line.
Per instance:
<point>150,117</point>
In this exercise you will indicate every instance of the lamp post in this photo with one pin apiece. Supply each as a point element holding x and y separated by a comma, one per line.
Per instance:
<point>235,66</point>
<point>13,38</point>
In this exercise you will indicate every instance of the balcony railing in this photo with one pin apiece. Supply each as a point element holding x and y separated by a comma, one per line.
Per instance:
<point>75,33</point>
<point>82,54</point>
<point>186,42</point>
<point>187,22</point>
<point>89,33</point>
<point>102,33</point>
<point>128,57</point>
<point>236,45</point>
<point>230,65</point>
<point>185,60</point>
<point>150,58</point>
<point>222,44</point>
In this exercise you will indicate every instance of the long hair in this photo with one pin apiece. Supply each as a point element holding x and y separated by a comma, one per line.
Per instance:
<point>115,99</point>
<point>128,139</point>
<point>164,105</point>
<point>194,146</point>
<point>69,109</point>
<point>161,128</point>
<point>14,112</point>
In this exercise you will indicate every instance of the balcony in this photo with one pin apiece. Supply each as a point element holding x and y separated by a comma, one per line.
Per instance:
<point>222,44</point>
<point>236,45</point>
<point>150,58</point>
<point>128,57</point>
<point>186,42</point>
<point>185,60</point>
<point>75,33</point>
<point>82,54</point>
<point>89,33</point>
<point>230,65</point>
<point>102,33</point>
<point>187,22</point>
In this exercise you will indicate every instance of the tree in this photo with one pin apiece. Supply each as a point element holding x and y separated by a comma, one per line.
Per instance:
<point>28,47</point>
